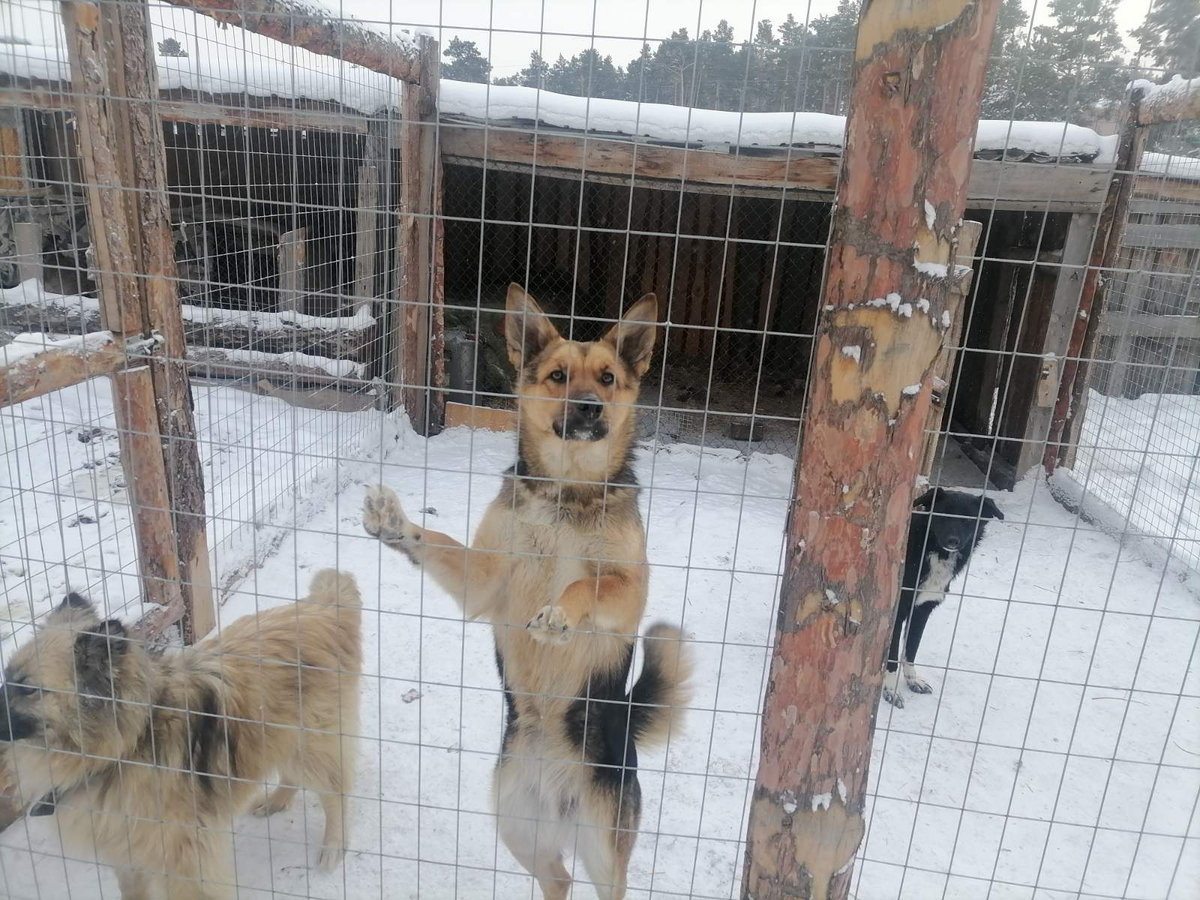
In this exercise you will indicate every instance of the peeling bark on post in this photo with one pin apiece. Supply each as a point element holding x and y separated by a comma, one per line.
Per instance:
<point>124,163</point>
<point>919,72</point>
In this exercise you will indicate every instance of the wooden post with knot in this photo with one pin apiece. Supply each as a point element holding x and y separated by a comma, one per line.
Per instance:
<point>893,261</point>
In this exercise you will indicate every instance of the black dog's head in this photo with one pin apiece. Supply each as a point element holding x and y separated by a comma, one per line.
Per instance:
<point>949,522</point>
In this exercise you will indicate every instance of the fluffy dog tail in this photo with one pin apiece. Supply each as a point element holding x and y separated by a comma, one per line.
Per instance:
<point>661,692</point>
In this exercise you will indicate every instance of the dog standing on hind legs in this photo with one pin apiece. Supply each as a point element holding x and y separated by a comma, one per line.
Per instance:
<point>558,565</point>
<point>147,758</point>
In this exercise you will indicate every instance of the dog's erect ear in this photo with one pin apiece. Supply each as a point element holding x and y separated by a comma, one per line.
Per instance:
<point>75,601</point>
<point>925,501</point>
<point>527,330</point>
<point>635,334</point>
<point>75,609</point>
<point>97,652</point>
<point>991,510</point>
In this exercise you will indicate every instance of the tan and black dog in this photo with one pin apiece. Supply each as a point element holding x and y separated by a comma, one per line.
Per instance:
<point>559,567</point>
<point>148,757</point>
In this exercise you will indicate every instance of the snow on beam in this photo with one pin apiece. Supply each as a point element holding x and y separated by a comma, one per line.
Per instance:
<point>318,30</point>
<point>1174,101</point>
<point>37,364</point>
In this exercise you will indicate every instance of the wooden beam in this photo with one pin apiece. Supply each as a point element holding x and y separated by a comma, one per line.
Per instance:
<point>300,24</point>
<point>1064,311</point>
<point>29,250</point>
<point>1106,248</point>
<point>1170,103</point>
<point>58,364</point>
<point>366,230</point>
<point>123,156</point>
<point>210,362</point>
<point>1140,324</point>
<point>1008,185</point>
<point>293,259</point>
<point>412,332</point>
<point>200,107</point>
<point>918,78</point>
<point>344,337</point>
<point>943,370</point>
<point>1181,237</point>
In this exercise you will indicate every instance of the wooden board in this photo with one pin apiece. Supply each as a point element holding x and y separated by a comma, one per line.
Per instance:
<point>480,417</point>
<point>1007,185</point>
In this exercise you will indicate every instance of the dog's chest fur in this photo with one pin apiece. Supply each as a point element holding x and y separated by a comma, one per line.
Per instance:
<point>936,575</point>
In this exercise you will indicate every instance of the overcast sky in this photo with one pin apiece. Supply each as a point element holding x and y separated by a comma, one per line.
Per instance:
<point>506,30</point>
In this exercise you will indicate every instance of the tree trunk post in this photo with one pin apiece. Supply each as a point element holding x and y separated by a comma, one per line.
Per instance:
<point>115,85</point>
<point>918,79</point>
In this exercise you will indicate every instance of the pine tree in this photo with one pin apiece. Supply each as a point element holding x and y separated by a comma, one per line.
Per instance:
<point>1074,71</point>
<point>171,47</point>
<point>1170,36</point>
<point>466,62</point>
<point>792,39</point>
<point>828,61</point>
<point>533,75</point>
<point>1005,70</point>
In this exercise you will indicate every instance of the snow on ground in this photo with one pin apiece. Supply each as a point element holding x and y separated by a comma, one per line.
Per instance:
<point>975,780</point>
<point>1140,459</point>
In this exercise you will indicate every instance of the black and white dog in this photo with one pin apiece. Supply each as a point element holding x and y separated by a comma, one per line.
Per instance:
<point>946,526</point>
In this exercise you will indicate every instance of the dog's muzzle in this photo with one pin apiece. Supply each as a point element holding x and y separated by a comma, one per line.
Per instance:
<point>583,420</point>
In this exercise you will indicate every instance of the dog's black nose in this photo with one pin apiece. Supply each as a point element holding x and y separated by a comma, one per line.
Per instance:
<point>951,543</point>
<point>589,408</point>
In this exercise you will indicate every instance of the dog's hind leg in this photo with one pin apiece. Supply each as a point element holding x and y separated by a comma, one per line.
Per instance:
<point>134,884</point>
<point>531,831</point>
<point>606,841</point>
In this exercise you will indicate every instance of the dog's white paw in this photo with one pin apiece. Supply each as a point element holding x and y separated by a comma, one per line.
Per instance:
<point>550,625</point>
<point>383,517</point>
<point>330,858</point>
<point>891,689</point>
<point>918,685</point>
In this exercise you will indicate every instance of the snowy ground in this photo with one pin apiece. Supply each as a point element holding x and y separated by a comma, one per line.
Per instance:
<point>1141,458</point>
<point>1059,749</point>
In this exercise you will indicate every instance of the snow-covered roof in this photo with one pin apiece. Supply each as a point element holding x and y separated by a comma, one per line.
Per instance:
<point>294,74</point>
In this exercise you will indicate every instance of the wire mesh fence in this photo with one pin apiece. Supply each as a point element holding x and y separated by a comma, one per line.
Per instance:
<point>1047,747</point>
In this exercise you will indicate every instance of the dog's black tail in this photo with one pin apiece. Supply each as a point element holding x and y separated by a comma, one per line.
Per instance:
<point>661,692</point>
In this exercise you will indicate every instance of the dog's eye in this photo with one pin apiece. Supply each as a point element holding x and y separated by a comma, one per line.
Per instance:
<point>607,378</point>
<point>558,376</point>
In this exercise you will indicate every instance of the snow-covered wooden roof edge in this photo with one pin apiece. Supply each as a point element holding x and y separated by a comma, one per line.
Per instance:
<point>297,75</point>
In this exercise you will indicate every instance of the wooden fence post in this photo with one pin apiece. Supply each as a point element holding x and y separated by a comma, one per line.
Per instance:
<point>115,85</point>
<point>918,79</point>
<point>417,370</point>
<point>1072,389</point>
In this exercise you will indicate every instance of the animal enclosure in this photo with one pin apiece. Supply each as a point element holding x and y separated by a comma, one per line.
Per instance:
<point>247,277</point>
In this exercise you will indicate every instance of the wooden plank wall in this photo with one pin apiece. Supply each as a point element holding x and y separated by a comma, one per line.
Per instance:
<point>597,249</point>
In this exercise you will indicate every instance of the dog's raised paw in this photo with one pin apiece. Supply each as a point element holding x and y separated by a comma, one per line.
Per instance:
<point>383,516</point>
<point>330,858</point>
<point>550,625</point>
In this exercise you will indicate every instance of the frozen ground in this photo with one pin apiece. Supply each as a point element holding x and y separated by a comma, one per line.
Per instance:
<point>1141,458</point>
<point>1059,749</point>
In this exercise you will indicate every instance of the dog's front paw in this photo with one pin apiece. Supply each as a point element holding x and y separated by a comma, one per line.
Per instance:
<point>383,517</point>
<point>891,689</point>
<point>918,685</point>
<point>330,858</point>
<point>550,625</point>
